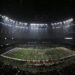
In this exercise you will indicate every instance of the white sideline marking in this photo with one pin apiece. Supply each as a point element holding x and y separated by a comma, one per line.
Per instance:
<point>12,58</point>
<point>20,59</point>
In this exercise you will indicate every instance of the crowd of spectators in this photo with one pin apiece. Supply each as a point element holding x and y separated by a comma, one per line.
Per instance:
<point>9,70</point>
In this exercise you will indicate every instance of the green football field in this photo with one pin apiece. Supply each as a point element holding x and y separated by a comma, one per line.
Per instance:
<point>39,54</point>
<point>32,59</point>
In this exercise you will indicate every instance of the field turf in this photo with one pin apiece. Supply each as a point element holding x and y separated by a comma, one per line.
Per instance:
<point>39,53</point>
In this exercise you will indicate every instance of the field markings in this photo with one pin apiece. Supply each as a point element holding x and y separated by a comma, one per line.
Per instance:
<point>16,49</point>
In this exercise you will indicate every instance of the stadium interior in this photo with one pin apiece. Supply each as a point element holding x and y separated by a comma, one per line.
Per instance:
<point>37,38</point>
<point>34,35</point>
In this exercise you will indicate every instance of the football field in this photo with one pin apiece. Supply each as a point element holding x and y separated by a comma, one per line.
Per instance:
<point>38,59</point>
<point>39,53</point>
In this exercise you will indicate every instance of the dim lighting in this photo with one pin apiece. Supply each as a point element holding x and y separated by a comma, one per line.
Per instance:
<point>7,44</point>
<point>1,45</point>
<point>12,38</point>
<point>5,38</point>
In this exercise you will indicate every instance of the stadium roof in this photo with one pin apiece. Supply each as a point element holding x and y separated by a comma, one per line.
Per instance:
<point>38,11</point>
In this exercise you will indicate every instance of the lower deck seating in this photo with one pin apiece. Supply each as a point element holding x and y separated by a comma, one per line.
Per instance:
<point>9,70</point>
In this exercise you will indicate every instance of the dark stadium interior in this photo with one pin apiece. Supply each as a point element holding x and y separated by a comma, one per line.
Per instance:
<point>38,12</point>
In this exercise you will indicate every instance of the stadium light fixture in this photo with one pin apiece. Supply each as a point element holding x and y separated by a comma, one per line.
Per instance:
<point>70,20</point>
<point>17,26</point>
<point>45,24</point>
<point>41,24</point>
<point>12,38</point>
<point>55,23</point>
<point>60,22</point>
<point>25,24</point>
<point>7,44</point>
<point>57,27</point>
<point>6,18</point>
<point>68,38</point>
<point>35,24</point>
<point>52,24</point>
<point>67,26</point>
<point>5,38</point>
<point>64,22</point>
<point>11,20</point>
<point>20,23</point>
<point>22,27</point>
<point>7,24</point>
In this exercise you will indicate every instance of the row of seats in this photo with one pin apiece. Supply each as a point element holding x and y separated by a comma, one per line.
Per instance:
<point>9,70</point>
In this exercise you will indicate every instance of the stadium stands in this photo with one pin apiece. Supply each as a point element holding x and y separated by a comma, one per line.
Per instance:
<point>9,70</point>
<point>14,33</point>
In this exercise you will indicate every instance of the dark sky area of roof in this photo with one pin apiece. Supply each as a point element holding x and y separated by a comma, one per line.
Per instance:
<point>38,10</point>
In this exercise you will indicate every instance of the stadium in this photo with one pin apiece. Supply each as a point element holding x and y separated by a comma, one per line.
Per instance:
<point>37,37</point>
<point>37,48</point>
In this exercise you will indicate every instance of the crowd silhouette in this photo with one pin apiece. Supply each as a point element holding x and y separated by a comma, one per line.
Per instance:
<point>9,70</point>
